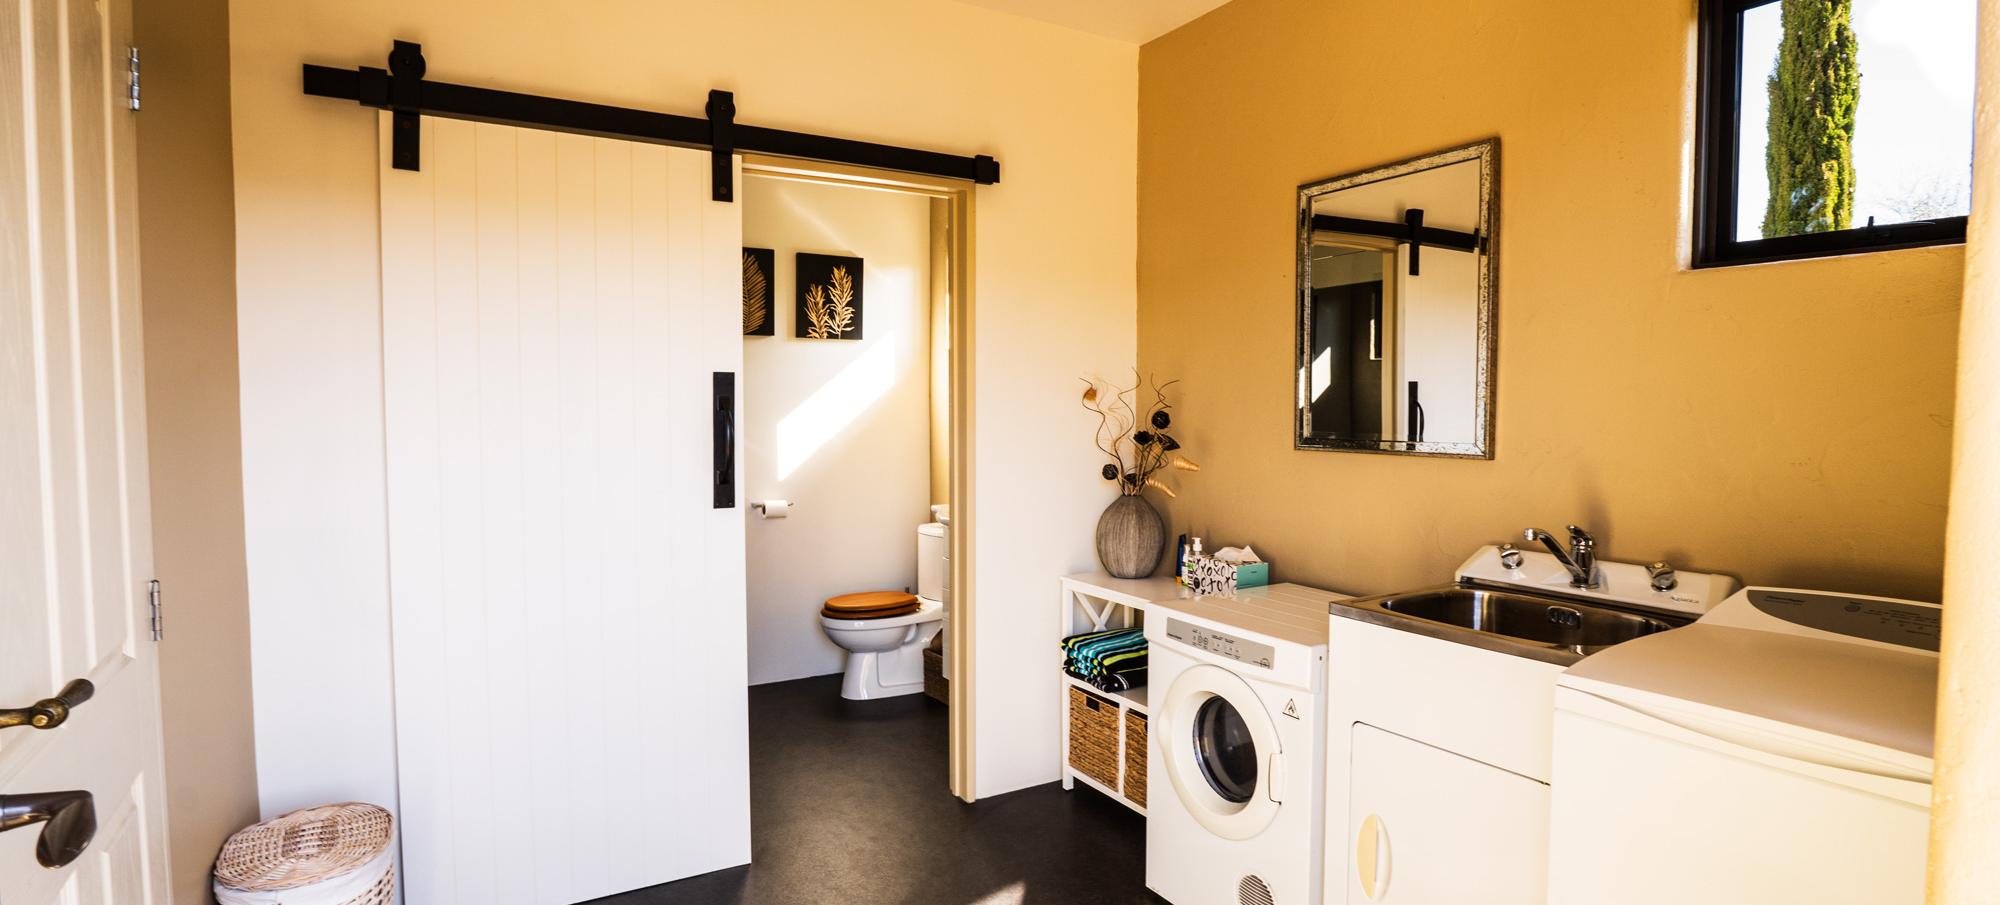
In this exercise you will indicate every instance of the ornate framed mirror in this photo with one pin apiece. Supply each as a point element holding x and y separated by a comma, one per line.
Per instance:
<point>1397,276</point>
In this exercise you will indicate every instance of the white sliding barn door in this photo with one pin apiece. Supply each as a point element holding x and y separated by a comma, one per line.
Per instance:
<point>75,533</point>
<point>568,605</point>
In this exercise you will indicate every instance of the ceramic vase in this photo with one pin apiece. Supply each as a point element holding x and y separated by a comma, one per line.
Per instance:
<point>1130,537</point>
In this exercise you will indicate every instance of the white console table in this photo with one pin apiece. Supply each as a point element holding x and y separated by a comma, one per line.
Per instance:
<point>1095,601</point>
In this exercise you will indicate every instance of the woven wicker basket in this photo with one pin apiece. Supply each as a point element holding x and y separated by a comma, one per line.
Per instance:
<point>1093,736</point>
<point>337,854</point>
<point>1135,757</point>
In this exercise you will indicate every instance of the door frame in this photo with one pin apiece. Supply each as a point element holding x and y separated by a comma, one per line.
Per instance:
<point>1388,344</point>
<point>958,196</point>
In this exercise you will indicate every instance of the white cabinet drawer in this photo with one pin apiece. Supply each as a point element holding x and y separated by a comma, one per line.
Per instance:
<point>1488,706</point>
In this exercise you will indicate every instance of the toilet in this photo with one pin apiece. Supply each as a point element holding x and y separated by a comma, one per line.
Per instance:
<point>885,632</point>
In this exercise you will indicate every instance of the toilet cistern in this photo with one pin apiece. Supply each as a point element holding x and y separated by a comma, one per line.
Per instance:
<point>1580,559</point>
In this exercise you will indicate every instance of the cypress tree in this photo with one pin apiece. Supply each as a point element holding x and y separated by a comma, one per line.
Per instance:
<point>1814,88</point>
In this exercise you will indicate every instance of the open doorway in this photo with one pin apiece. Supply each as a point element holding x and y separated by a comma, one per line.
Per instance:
<point>855,409</point>
<point>864,800</point>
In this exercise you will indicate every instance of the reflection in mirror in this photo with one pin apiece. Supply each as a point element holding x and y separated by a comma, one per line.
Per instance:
<point>1396,274</point>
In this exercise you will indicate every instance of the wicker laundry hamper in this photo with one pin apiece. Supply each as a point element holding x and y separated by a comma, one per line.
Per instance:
<point>335,854</point>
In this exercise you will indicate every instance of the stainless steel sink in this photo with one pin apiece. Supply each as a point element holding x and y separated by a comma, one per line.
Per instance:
<point>1552,628</point>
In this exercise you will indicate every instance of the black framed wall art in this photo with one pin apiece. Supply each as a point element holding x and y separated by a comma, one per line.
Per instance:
<point>829,297</point>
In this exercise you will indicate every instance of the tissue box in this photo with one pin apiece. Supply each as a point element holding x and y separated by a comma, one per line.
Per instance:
<point>1208,575</point>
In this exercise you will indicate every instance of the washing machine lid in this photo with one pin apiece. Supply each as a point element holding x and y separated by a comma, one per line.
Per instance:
<point>1874,697</point>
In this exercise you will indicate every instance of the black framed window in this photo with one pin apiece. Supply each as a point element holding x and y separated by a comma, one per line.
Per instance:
<point>1831,127</point>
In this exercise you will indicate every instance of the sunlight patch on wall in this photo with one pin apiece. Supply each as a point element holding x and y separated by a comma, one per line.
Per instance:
<point>835,405</point>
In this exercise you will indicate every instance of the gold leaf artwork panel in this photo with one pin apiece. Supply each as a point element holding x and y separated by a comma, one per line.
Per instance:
<point>757,281</point>
<point>829,297</point>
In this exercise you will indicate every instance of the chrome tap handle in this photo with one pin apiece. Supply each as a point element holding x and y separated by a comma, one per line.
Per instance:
<point>1510,557</point>
<point>1583,549</point>
<point>1662,576</point>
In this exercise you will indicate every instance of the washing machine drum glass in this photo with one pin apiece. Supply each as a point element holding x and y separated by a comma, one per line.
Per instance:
<point>1224,750</point>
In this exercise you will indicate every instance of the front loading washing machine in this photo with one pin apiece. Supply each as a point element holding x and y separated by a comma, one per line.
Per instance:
<point>1237,734</point>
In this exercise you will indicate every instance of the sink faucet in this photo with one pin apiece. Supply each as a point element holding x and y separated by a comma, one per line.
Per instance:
<point>1580,559</point>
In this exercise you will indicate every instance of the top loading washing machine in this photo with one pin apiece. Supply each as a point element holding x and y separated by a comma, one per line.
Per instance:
<point>1778,750</point>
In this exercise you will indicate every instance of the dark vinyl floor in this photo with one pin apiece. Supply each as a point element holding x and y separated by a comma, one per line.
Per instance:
<point>849,803</point>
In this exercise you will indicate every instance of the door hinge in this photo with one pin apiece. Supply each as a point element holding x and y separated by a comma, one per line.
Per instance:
<point>153,602</point>
<point>132,62</point>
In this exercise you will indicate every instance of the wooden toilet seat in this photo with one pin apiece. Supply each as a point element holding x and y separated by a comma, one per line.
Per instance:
<point>870,605</point>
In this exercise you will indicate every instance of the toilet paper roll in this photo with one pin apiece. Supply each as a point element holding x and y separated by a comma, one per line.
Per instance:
<point>775,508</point>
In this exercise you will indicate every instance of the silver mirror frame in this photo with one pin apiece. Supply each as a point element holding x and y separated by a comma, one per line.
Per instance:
<point>1488,154</point>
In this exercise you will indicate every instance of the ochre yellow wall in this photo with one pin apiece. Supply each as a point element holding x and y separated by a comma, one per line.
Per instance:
<point>1789,423</point>
<point>187,244</point>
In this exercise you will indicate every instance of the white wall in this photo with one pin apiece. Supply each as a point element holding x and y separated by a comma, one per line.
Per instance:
<point>940,351</point>
<point>841,428</point>
<point>1055,260</point>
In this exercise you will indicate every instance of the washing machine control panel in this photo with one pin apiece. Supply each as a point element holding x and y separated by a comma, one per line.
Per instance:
<point>1894,622</point>
<point>1221,644</point>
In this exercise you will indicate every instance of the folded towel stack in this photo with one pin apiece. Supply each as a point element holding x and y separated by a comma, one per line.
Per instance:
<point>1112,660</point>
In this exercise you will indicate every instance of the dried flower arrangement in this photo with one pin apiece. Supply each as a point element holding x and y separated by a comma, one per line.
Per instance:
<point>1150,448</point>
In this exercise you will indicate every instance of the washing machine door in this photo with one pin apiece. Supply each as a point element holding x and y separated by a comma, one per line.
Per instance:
<point>1221,751</point>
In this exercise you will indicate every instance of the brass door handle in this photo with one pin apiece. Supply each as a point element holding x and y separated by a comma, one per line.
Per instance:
<point>48,713</point>
<point>71,819</point>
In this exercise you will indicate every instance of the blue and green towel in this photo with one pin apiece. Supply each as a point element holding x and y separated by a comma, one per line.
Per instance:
<point>1113,660</point>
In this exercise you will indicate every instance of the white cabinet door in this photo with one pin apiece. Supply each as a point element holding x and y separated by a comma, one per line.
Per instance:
<point>75,535</point>
<point>1428,827</point>
<point>571,709</point>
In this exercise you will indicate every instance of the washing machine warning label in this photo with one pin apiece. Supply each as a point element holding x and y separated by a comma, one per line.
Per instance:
<point>1292,708</point>
<point>1221,645</point>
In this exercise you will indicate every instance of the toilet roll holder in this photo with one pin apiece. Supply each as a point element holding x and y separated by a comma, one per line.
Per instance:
<point>759,506</point>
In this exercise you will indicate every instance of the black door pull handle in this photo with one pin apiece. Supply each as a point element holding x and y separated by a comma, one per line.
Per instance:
<point>727,412</point>
<point>722,412</point>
